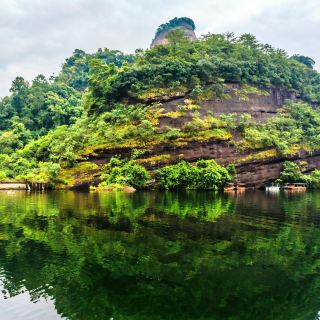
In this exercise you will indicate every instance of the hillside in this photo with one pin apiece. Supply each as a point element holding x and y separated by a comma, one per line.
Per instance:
<point>241,107</point>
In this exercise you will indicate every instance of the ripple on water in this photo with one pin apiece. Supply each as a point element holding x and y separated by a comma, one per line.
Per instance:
<point>21,307</point>
<point>158,255</point>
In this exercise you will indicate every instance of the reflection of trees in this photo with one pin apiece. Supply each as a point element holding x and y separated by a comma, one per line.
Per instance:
<point>201,205</point>
<point>105,255</point>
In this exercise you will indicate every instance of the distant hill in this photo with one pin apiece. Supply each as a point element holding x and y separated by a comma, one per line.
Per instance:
<point>186,25</point>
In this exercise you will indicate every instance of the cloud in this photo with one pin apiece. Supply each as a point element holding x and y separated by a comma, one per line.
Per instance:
<point>37,35</point>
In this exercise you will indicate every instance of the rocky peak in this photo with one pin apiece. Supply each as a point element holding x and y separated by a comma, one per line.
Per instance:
<point>186,25</point>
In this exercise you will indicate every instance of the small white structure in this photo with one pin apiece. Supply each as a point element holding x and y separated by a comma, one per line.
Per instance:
<point>273,189</point>
<point>13,186</point>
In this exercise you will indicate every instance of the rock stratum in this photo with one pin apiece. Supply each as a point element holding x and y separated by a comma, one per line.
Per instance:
<point>255,168</point>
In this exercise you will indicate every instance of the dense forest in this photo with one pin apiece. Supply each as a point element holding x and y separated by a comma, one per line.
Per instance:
<point>110,100</point>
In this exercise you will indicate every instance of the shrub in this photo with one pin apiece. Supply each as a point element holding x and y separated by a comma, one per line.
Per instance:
<point>291,173</point>
<point>44,172</point>
<point>122,114</point>
<point>125,173</point>
<point>230,120</point>
<point>231,169</point>
<point>178,176</point>
<point>205,175</point>
<point>210,175</point>
<point>3,176</point>
<point>173,134</point>
<point>244,121</point>
<point>146,129</point>
<point>194,126</point>
<point>313,179</point>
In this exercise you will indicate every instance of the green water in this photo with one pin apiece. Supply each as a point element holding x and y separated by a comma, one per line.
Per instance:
<point>179,256</point>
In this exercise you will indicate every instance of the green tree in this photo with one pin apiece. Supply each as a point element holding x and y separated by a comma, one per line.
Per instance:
<point>309,62</point>
<point>124,172</point>
<point>291,172</point>
<point>205,175</point>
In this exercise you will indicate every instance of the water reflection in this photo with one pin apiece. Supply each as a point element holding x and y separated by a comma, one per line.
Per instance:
<point>159,256</point>
<point>20,307</point>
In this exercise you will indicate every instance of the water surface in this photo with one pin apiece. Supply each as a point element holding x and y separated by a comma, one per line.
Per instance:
<point>159,256</point>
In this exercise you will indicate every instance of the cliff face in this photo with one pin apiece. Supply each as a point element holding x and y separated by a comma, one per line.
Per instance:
<point>161,38</point>
<point>252,172</point>
<point>255,168</point>
<point>260,105</point>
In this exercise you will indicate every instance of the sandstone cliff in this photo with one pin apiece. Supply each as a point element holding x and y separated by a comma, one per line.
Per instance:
<point>186,25</point>
<point>161,38</point>
<point>255,168</point>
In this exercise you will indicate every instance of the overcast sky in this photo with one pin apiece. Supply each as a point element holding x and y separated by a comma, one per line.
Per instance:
<point>37,35</point>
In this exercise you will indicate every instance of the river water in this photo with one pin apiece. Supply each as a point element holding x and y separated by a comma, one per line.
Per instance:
<point>159,256</point>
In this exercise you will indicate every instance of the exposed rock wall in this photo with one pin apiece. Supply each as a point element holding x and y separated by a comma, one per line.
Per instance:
<point>260,172</point>
<point>250,171</point>
<point>253,173</point>
<point>161,38</point>
<point>259,106</point>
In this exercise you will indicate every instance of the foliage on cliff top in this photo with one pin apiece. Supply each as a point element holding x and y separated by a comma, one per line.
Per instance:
<point>176,22</point>
<point>183,66</point>
<point>75,70</point>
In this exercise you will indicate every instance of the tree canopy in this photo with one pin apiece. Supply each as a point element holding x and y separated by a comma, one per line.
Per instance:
<point>181,66</point>
<point>176,22</point>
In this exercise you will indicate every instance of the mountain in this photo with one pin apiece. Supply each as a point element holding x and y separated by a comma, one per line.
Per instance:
<point>191,113</point>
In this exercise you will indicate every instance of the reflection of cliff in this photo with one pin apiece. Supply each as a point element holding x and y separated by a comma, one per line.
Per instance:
<point>164,268</point>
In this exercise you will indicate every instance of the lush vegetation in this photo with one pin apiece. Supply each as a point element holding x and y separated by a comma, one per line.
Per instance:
<point>44,103</point>
<point>185,66</point>
<point>124,172</point>
<point>205,175</point>
<point>75,70</point>
<point>39,106</point>
<point>115,102</point>
<point>305,60</point>
<point>33,109</point>
<point>292,173</point>
<point>296,125</point>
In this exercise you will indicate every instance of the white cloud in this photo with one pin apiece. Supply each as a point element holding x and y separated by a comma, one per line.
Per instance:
<point>37,35</point>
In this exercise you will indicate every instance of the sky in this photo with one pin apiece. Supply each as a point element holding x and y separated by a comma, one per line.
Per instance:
<point>38,35</point>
